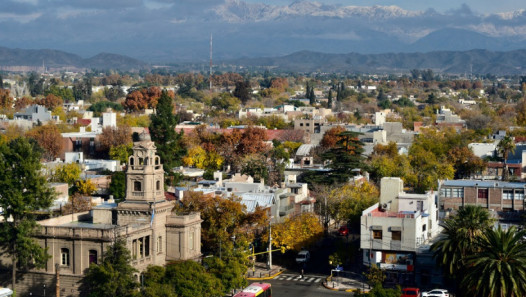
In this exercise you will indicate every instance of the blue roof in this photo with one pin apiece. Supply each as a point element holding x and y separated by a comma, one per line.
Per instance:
<point>482,183</point>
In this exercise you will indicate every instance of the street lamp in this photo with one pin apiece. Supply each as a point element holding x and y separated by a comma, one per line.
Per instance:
<point>270,244</point>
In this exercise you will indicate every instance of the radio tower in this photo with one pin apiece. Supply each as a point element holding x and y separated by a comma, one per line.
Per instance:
<point>210,74</point>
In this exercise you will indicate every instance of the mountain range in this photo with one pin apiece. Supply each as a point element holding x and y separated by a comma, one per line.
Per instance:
<point>180,31</point>
<point>455,62</point>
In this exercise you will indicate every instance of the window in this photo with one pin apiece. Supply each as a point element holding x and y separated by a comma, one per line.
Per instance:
<point>483,193</point>
<point>137,186</point>
<point>396,235</point>
<point>92,258</point>
<point>147,246</point>
<point>445,192</point>
<point>159,244</point>
<point>191,241</point>
<point>457,192</point>
<point>424,227</point>
<point>64,257</point>
<point>158,185</point>
<point>134,249</point>
<point>507,194</point>
<point>377,234</point>
<point>519,194</point>
<point>141,247</point>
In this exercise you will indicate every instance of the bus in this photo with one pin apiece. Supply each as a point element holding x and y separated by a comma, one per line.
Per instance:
<point>256,289</point>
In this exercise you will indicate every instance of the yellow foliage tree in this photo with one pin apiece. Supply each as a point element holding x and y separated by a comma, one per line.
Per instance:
<point>200,158</point>
<point>346,203</point>
<point>85,187</point>
<point>297,232</point>
<point>67,173</point>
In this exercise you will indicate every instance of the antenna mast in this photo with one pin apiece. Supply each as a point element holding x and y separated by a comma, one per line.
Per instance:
<point>210,74</point>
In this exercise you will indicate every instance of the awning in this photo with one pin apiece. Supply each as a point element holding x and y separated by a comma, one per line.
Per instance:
<point>396,228</point>
<point>376,227</point>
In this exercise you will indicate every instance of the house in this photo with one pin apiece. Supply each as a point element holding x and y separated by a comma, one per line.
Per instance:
<point>395,234</point>
<point>144,221</point>
<point>34,113</point>
<point>504,199</point>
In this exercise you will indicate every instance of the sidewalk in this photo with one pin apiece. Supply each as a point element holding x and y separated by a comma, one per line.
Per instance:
<point>350,282</point>
<point>261,271</point>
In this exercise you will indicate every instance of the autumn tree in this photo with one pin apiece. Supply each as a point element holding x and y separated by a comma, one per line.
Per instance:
<point>84,187</point>
<point>346,203</point>
<point>142,99</point>
<point>50,101</point>
<point>6,101</point>
<point>331,137</point>
<point>49,138</point>
<point>297,232</point>
<point>162,130</point>
<point>223,218</point>
<point>22,103</point>
<point>23,192</point>
<point>114,137</point>
<point>67,173</point>
<point>198,157</point>
<point>76,203</point>
<point>465,162</point>
<point>385,161</point>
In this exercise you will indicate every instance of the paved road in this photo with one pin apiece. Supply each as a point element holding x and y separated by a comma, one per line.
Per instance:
<point>290,285</point>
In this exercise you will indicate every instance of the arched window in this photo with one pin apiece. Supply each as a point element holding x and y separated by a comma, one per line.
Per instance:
<point>132,161</point>
<point>137,186</point>
<point>92,257</point>
<point>64,257</point>
<point>158,185</point>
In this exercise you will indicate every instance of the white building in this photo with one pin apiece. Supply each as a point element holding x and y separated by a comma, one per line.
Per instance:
<point>395,232</point>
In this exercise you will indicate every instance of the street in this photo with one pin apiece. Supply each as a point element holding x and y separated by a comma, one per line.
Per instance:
<point>290,285</point>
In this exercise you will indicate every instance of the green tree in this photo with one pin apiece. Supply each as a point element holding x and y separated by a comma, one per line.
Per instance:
<point>190,279</point>
<point>458,237</point>
<point>156,284</point>
<point>162,130</point>
<point>329,99</point>
<point>114,276</point>
<point>242,91</point>
<point>343,158</point>
<point>347,202</point>
<point>23,191</point>
<point>230,269</point>
<point>121,152</point>
<point>505,147</point>
<point>118,185</point>
<point>499,266</point>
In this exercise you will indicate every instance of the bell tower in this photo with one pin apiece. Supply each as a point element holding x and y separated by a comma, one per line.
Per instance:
<point>145,174</point>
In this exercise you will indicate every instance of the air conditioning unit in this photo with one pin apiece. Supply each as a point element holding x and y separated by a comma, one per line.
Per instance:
<point>384,206</point>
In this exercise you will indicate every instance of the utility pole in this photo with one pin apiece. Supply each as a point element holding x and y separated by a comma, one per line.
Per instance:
<point>210,73</point>
<point>270,244</point>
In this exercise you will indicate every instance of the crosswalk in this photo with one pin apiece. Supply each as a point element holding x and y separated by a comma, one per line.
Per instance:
<point>298,278</point>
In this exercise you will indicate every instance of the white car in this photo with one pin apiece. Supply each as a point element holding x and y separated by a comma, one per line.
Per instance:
<point>303,257</point>
<point>436,293</point>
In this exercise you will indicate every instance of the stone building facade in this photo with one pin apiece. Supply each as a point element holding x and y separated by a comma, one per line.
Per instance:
<point>144,220</point>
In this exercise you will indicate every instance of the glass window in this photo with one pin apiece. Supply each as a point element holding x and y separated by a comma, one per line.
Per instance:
<point>92,258</point>
<point>134,249</point>
<point>64,257</point>
<point>457,192</point>
<point>507,194</point>
<point>483,193</point>
<point>158,185</point>
<point>519,194</point>
<point>445,192</point>
<point>147,246</point>
<point>137,186</point>
<point>377,234</point>
<point>141,247</point>
<point>396,235</point>
<point>424,227</point>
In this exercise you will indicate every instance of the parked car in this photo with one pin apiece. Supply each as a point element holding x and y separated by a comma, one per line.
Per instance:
<point>410,292</point>
<point>343,231</point>
<point>436,293</point>
<point>302,257</point>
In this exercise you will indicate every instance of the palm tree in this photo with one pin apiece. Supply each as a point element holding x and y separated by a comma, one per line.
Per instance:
<point>458,236</point>
<point>499,268</point>
<point>506,145</point>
